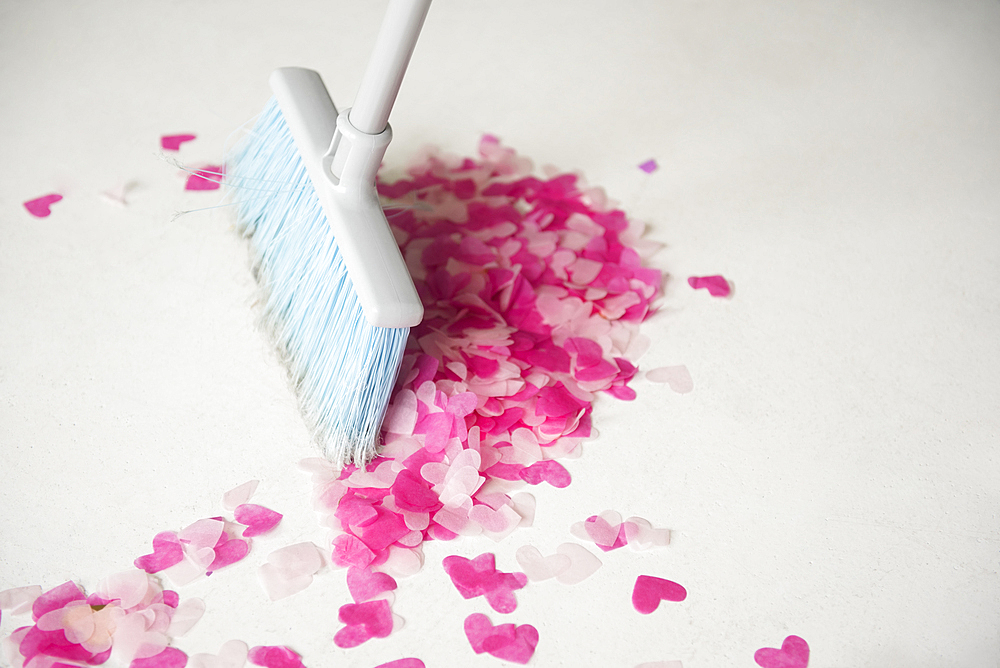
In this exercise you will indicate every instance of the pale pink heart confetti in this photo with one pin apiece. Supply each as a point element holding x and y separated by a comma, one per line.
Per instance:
<point>497,524</point>
<point>794,653</point>
<point>524,504</point>
<point>403,562</point>
<point>239,495</point>
<point>583,564</point>
<point>537,567</point>
<point>185,616</point>
<point>274,656</point>
<point>129,588</point>
<point>365,584</point>
<point>505,641</point>
<point>39,207</point>
<point>606,530</point>
<point>649,591</point>
<point>677,377</point>
<point>257,519</point>
<point>717,286</point>
<point>289,570</point>
<point>173,142</point>
<point>232,654</point>
<point>642,535</point>
<point>19,600</point>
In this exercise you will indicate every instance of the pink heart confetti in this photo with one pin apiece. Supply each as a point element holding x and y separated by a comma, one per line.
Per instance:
<point>506,641</point>
<point>641,535</point>
<point>537,567</point>
<point>289,570</point>
<point>232,654</point>
<point>717,286</point>
<point>271,656</point>
<point>649,591</point>
<point>167,552</point>
<point>170,657</point>
<point>606,530</point>
<point>206,178</point>
<point>549,471</point>
<point>39,207</point>
<point>364,621</point>
<point>366,584</point>
<point>677,377</point>
<point>583,564</point>
<point>649,166</point>
<point>403,663</point>
<point>173,142</point>
<point>257,519</point>
<point>794,653</point>
<point>479,577</point>
<point>239,495</point>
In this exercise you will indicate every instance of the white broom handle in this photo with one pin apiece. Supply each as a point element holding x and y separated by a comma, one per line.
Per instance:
<point>393,47</point>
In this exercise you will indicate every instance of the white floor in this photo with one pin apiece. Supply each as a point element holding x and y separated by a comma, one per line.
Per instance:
<point>833,475</point>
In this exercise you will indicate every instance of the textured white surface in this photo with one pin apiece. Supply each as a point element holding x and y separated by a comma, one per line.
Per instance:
<point>833,474</point>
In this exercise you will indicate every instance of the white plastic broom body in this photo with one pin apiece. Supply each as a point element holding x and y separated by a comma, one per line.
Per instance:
<point>339,299</point>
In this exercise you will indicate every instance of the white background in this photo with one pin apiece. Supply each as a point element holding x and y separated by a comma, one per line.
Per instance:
<point>834,473</point>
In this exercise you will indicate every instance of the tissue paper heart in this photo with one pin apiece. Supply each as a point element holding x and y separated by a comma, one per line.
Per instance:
<point>274,656</point>
<point>506,641</point>
<point>794,653</point>
<point>583,564</point>
<point>717,286</point>
<point>649,591</point>
<point>403,663</point>
<point>364,621</point>
<point>366,584</point>
<point>167,552</point>
<point>257,519</point>
<point>170,657</point>
<point>232,654</point>
<point>479,577</point>
<point>537,567</point>
<point>173,142</point>
<point>678,378</point>
<point>39,207</point>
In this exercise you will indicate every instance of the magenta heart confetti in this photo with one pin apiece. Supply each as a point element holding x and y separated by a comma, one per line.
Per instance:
<point>167,552</point>
<point>506,641</point>
<point>649,166</point>
<point>649,591</point>
<point>717,286</point>
<point>794,653</point>
<point>173,142</point>
<point>39,207</point>
<point>479,577</point>
<point>403,663</point>
<point>365,584</point>
<point>170,657</point>
<point>271,656</point>
<point>363,621</point>
<point>257,519</point>
<point>206,178</point>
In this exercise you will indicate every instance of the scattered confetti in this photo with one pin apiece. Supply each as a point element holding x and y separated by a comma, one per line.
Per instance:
<point>206,178</point>
<point>173,142</point>
<point>641,535</point>
<point>271,656</point>
<point>506,641</point>
<point>366,584</point>
<point>537,567</point>
<point>583,564</point>
<point>290,569</point>
<point>232,654</point>
<point>257,519</point>
<point>39,207</point>
<point>717,286</point>
<point>678,378</point>
<point>479,577</point>
<point>239,495</point>
<point>403,663</point>
<point>606,530</point>
<point>794,653</point>
<point>649,166</point>
<point>649,591</point>
<point>18,601</point>
<point>363,621</point>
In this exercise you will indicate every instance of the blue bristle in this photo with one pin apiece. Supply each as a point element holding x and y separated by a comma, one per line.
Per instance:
<point>343,369</point>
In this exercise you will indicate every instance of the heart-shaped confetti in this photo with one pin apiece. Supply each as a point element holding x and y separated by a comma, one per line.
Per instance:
<point>537,567</point>
<point>479,577</point>
<point>39,207</point>
<point>717,286</point>
<point>170,657</point>
<point>239,495</point>
<point>167,552</point>
<point>650,590</point>
<point>257,519</point>
<point>403,663</point>
<point>506,641</point>
<point>363,621</point>
<point>794,653</point>
<point>274,657</point>
<point>289,570</point>
<point>678,378</point>
<point>583,563</point>
<point>173,142</point>
<point>366,584</point>
<point>232,654</point>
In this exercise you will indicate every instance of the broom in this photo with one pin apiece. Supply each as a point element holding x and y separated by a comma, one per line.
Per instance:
<point>339,301</point>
